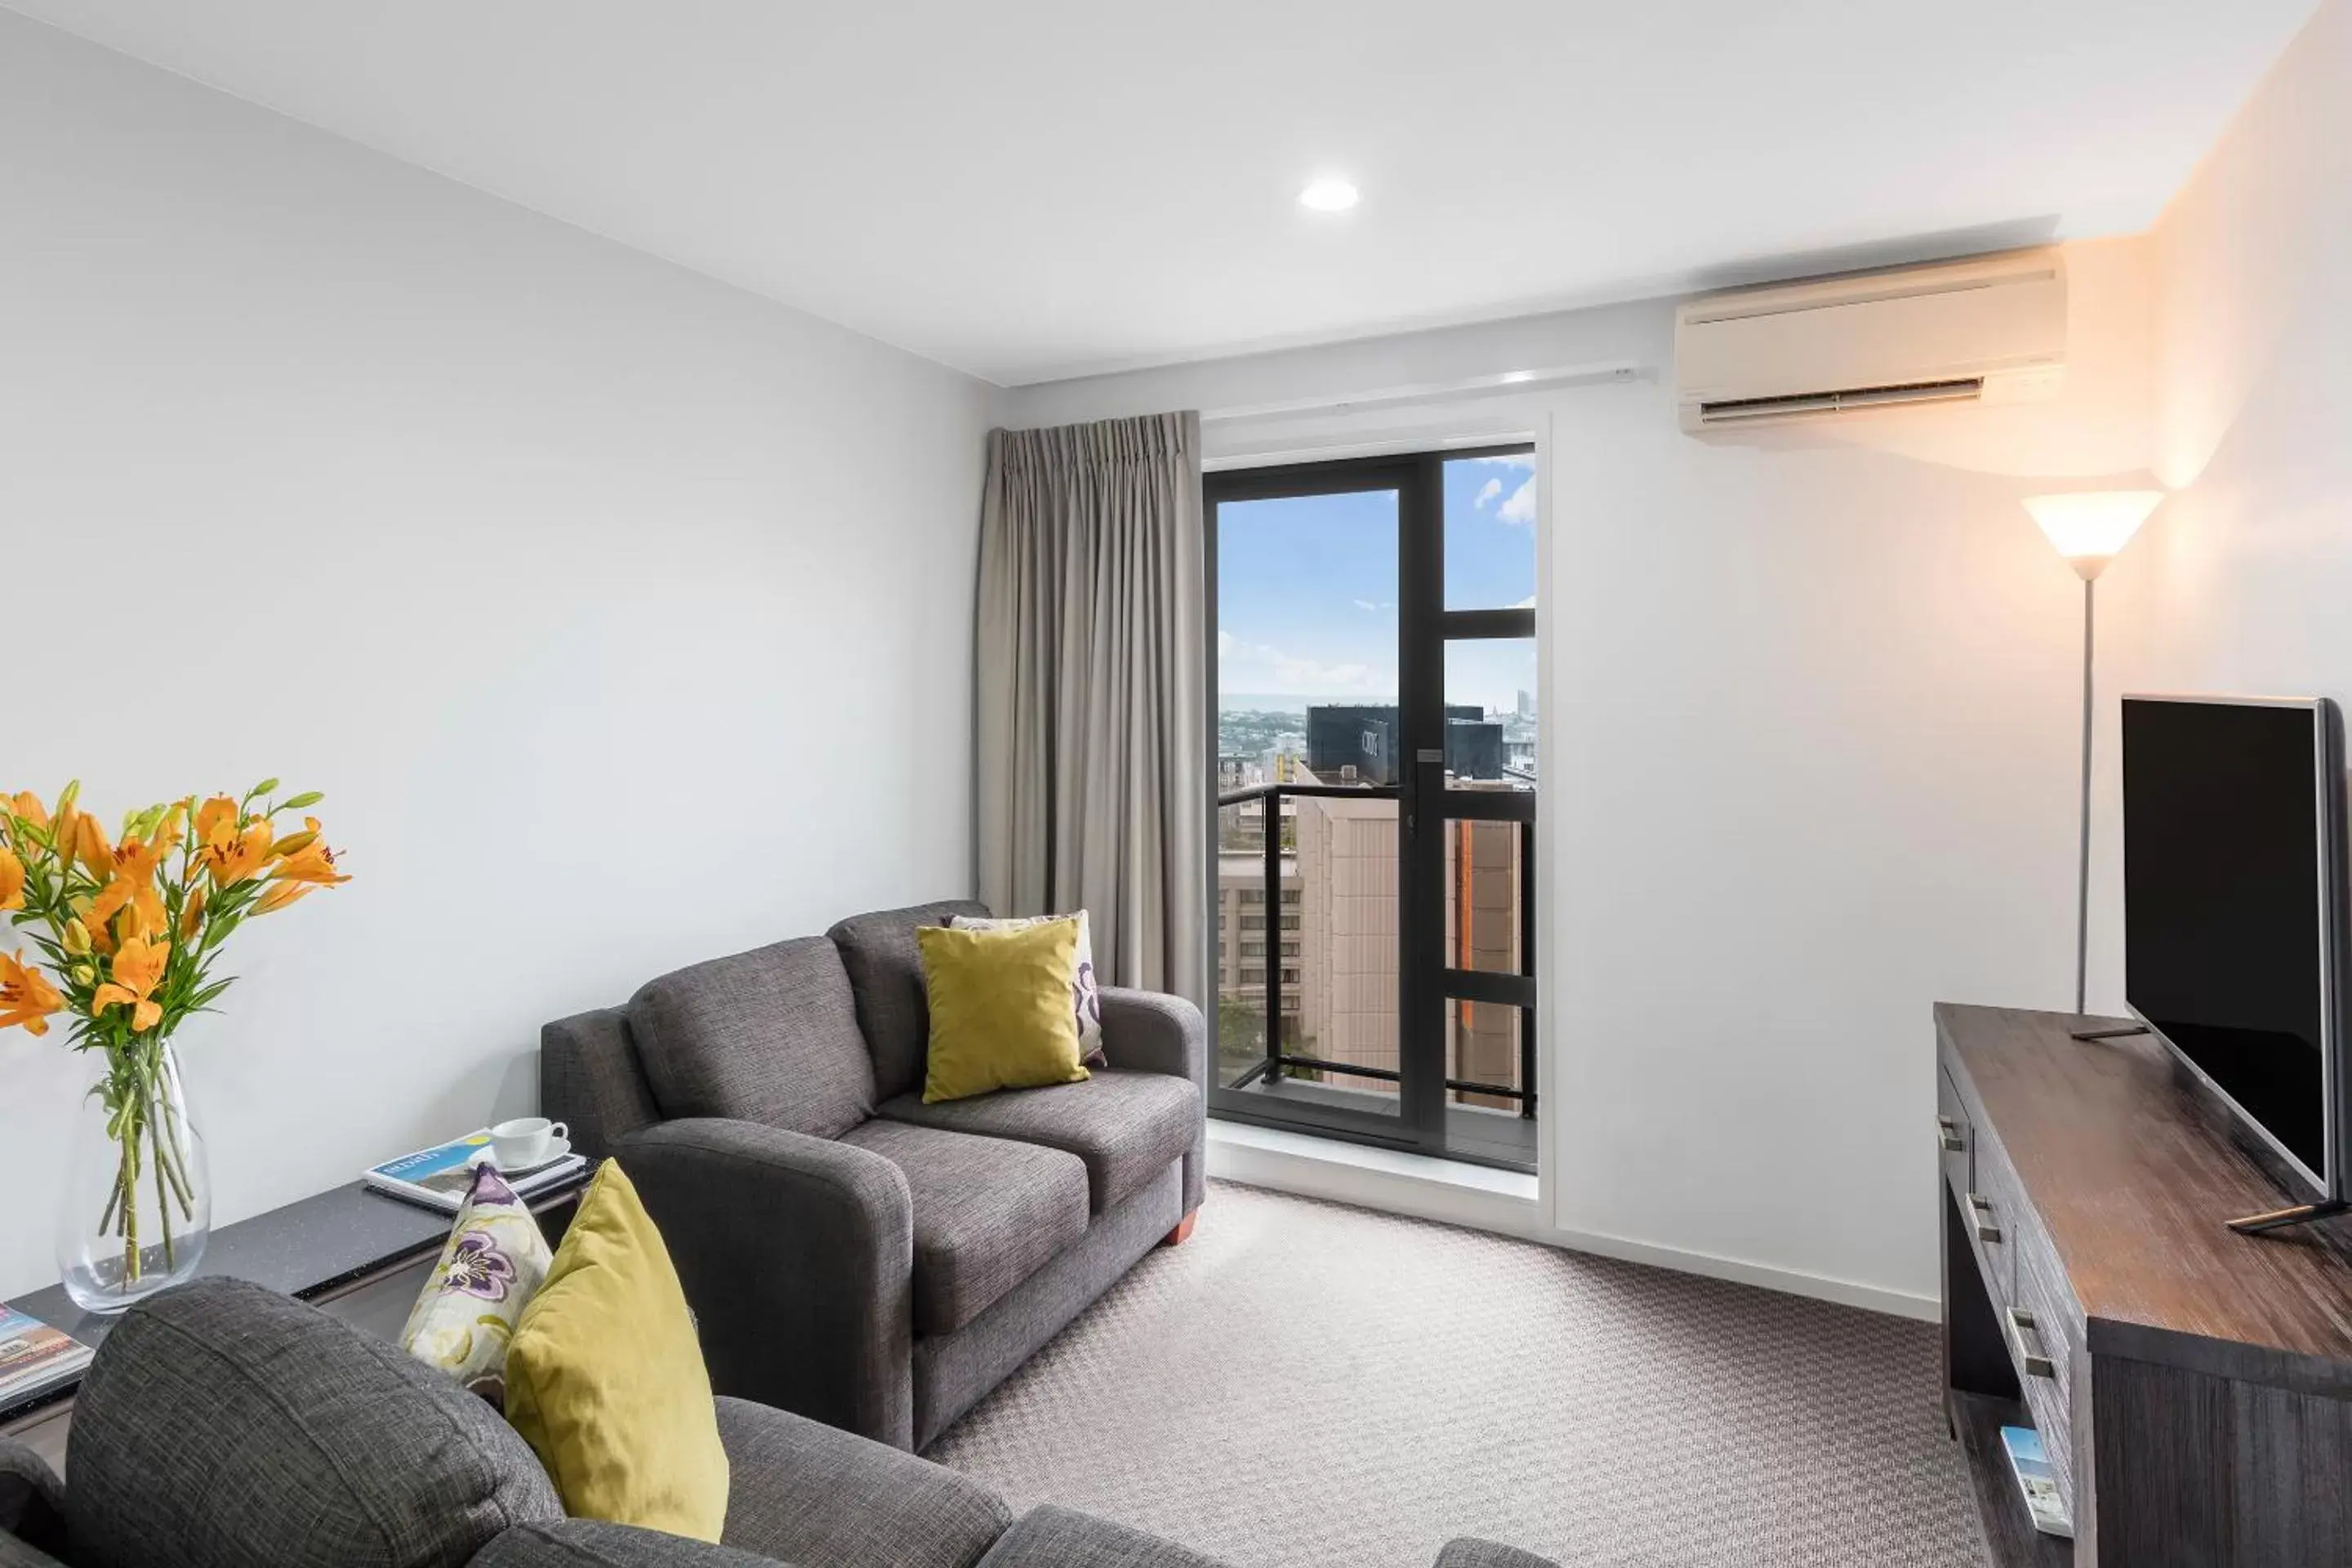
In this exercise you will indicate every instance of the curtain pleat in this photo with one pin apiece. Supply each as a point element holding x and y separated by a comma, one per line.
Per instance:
<point>1088,723</point>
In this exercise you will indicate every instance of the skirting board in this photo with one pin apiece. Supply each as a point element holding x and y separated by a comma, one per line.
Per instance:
<point>1502,1202</point>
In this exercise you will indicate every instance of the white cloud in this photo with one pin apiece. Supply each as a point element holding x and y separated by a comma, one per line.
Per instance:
<point>1258,667</point>
<point>1488,492</point>
<point>1373,606</point>
<point>1525,461</point>
<point>1521,507</point>
<point>1526,604</point>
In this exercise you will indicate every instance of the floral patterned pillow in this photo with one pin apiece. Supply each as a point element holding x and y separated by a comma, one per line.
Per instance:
<point>493,1264</point>
<point>1085,997</point>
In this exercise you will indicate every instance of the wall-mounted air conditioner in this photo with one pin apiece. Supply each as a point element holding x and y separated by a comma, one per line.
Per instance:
<point>1989,328</point>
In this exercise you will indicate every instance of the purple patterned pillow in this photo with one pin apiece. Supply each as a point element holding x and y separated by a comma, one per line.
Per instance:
<point>493,1264</point>
<point>1085,997</point>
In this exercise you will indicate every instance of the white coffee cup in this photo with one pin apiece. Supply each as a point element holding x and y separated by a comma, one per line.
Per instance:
<point>525,1141</point>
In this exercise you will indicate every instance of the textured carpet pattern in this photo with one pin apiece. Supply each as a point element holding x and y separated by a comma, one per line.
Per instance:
<point>1307,1386</point>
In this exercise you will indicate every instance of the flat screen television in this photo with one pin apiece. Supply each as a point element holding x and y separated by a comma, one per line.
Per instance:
<point>2234,913</point>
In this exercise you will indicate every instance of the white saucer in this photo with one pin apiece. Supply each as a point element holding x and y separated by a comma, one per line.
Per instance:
<point>557,1148</point>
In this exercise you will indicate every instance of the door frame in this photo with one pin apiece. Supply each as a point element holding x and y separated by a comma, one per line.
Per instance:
<point>1424,982</point>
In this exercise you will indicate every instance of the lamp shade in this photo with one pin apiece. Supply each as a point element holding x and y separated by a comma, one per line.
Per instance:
<point>2090,528</point>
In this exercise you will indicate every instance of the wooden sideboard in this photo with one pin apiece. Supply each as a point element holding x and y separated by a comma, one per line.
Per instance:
<point>2193,1386</point>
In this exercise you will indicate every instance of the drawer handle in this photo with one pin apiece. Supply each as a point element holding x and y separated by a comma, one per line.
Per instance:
<point>1985,1229</point>
<point>2036,1365</point>
<point>1947,1133</point>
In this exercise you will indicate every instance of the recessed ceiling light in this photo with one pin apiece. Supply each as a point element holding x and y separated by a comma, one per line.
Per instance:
<point>1329,196</point>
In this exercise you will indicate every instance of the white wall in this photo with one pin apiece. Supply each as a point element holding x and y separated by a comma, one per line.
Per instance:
<point>623,618</point>
<point>1811,708</point>
<point>2241,582</point>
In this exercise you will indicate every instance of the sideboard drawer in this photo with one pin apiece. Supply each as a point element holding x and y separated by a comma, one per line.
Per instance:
<point>1988,1207</point>
<point>2042,1337</point>
<point>1954,1140</point>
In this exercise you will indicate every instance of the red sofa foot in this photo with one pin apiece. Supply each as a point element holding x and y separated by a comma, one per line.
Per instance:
<point>1184,1228</point>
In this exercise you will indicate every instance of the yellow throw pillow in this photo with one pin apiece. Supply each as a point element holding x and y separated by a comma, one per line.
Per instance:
<point>1001,1014</point>
<point>605,1380</point>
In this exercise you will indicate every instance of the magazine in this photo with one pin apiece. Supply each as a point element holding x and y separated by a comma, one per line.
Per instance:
<point>2037,1480</point>
<point>35,1357</point>
<point>440,1177</point>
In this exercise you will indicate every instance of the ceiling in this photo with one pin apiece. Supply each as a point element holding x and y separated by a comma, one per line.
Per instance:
<point>1030,189</point>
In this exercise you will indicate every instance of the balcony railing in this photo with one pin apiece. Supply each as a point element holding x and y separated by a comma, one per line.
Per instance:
<point>1279,1060</point>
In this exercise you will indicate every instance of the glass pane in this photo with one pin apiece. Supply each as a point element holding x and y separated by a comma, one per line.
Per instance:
<point>1482,1046</point>
<point>1490,713</point>
<point>1484,883</point>
<point>1330,938</point>
<point>1490,533</point>
<point>1307,662</point>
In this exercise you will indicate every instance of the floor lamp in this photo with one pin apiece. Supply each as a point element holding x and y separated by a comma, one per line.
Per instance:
<point>2089,527</point>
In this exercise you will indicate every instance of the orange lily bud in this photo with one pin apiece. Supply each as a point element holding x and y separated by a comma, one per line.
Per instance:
<point>12,881</point>
<point>307,797</point>
<point>77,938</point>
<point>28,805</point>
<point>83,974</point>
<point>191,915</point>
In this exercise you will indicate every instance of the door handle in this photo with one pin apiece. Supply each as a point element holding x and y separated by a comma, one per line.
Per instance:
<point>1985,1229</point>
<point>1947,1133</point>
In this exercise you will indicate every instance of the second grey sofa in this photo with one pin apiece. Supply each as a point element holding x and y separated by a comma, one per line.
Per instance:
<point>224,1425</point>
<point>852,1254</point>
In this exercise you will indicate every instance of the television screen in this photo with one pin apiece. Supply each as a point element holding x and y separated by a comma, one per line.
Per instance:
<point>2228,837</point>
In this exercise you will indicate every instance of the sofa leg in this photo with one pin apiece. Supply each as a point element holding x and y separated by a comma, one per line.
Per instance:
<point>1183,1229</point>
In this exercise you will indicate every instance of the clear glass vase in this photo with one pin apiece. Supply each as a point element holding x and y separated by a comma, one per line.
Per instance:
<point>139,1197</point>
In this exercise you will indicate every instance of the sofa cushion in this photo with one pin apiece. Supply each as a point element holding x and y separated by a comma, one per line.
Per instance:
<point>1050,1537</point>
<point>988,1213</point>
<point>1126,1126</point>
<point>606,1378</point>
<point>886,970</point>
<point>224,1424</point>
<point>812,1494</point>
<point>593,1543</point>
<point>769,1036</point>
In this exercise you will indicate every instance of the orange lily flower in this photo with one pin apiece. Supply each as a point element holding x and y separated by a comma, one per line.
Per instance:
<point>217,823</point>
<point>138,970</point>
<point>26,996</point>
<point>89,846</point>
<point>29,805</point>
<point>281,894</point>
<point>132,865</point>
<point>11,880</point>
<point>312,861</point>
<point>241,857</point>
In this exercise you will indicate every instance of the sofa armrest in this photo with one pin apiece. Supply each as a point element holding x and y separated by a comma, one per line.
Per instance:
<point>1150,1031</point>
<point>32,1507</point>
<point>593,1543</point>
<point>589,1079</point>
<point>797,1255</point>
<point>805,1493</point>
<point>1469,1551</point>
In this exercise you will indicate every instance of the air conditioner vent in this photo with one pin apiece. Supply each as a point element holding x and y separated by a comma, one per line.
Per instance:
<point>1989,328</point>
<point>1739,410</point>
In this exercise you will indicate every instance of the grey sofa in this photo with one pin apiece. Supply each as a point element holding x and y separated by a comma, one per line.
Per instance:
<point>223,1426</point>
<point>854,1255</point>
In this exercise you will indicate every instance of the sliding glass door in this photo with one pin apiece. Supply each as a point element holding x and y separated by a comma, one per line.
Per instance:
<point>1374,691</point>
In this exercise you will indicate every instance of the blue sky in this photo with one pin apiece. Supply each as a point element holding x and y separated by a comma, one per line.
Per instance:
<point>1307,588</point>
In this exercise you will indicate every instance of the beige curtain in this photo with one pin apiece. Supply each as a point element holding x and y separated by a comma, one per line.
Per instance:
<point>1092,755</point>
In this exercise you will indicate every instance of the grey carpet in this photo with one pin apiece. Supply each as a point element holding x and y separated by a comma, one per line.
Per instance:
<point>1307,1386</point>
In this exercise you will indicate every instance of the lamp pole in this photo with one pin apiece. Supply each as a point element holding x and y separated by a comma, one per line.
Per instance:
<point>2083,855</point>
<point>2088,528</point>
